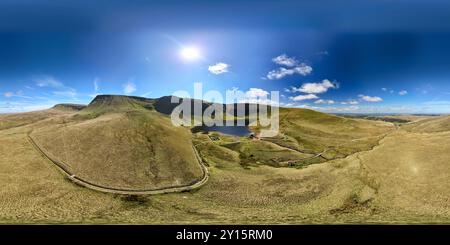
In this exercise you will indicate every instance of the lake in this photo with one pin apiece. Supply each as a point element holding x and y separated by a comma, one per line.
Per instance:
<point>240,131</point>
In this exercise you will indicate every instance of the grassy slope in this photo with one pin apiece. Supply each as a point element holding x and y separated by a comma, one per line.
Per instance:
<point>314,132</point>
<point>128,146</point>
<point>409,173</point>
<point>308,137</point>
<point>15,120</point>
<point>69,107</point>
<point>375,186</point>
<point>402,180</point>
<point>430,125</point>
<point>115,103</point>
<point>254,152</point>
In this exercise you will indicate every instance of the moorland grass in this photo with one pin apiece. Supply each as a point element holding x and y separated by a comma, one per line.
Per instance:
<point>401,179</point>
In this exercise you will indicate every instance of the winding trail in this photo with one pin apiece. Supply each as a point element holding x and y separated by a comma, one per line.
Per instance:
<point>180,188</point>
<point>85,183</point>
<point>295,150</point>
<point>325,150</point>
<point>303,159</point>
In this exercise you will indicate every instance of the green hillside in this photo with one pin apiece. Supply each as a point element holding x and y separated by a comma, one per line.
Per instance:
<point>124,145</point>
<point>314,132</point>
<point>69,107</point>
<point>430,125</point>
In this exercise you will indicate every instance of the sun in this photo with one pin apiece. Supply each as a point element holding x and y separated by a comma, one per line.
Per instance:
<point>190,53</point>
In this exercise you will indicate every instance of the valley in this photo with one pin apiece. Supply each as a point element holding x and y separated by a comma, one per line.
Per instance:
<point>320,169</point>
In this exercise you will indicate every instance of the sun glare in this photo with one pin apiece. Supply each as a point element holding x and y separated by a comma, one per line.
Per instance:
<point>190,53</point>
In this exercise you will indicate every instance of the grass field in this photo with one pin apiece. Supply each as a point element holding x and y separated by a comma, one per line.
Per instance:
<point>336,137</point>
<point>396,176</point>
<point>430,125</point>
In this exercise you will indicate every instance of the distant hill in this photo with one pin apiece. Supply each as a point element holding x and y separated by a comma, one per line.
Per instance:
<point>164,104</point>
<point>430,125</point>
<point>124,143</point>
<point>114,103</point>
<point>69,107</point>
<point>314,132</point>
<point>21,119</point>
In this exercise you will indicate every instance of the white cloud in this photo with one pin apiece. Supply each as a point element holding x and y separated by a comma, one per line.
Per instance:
<point>19,94</point>
<point>304,97</point>
<point>306,106</point>
<point>146,94</point>
<point>129,88</point>
<point>322,53</point>
<point>253,95</point>
<point>315,88</point>
<point>303,69</point>
<point>281,72</point>
<point>350,108</point>
<point>285,60</point>
<point>218,68</point>
<point>437,102</point>
<point>287,104</point>
<point>350,102</point>
<point>51,82</point>
<point>328,102</point>
<point>388,90</point>
<point>256,92</point>
<point>96,80</point>
<point>294,67</point>
<point>403,92</point>
<point>258,96</point>
<point>370,98</point>
<point>48,81</point>
<point>435,107</point>
<point>13,107</point>
<point>96,88</point>
<point>66,93</point>
<point>347,109</point>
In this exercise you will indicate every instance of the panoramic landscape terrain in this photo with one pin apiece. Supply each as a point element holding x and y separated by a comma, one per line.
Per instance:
<point>111,112</point>
<point>120,160</point>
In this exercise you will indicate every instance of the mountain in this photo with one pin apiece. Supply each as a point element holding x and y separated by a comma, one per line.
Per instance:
<point>124,143</point>
<point>128,142</point>
<point>69,107</point>
<point>114,103</point>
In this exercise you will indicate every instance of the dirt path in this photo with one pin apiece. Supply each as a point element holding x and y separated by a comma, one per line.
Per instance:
<point>295,150</point>
<point>303,159</point>
<point>396,128</point>
<point>77,180</point>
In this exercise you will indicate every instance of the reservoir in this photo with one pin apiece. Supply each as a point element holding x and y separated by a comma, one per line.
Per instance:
<point>240,131</point>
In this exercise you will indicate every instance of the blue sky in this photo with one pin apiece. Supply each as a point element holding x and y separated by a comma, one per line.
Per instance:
<point>333,56</point>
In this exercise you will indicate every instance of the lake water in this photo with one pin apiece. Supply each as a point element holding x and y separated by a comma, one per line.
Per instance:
<point>240,131</point>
